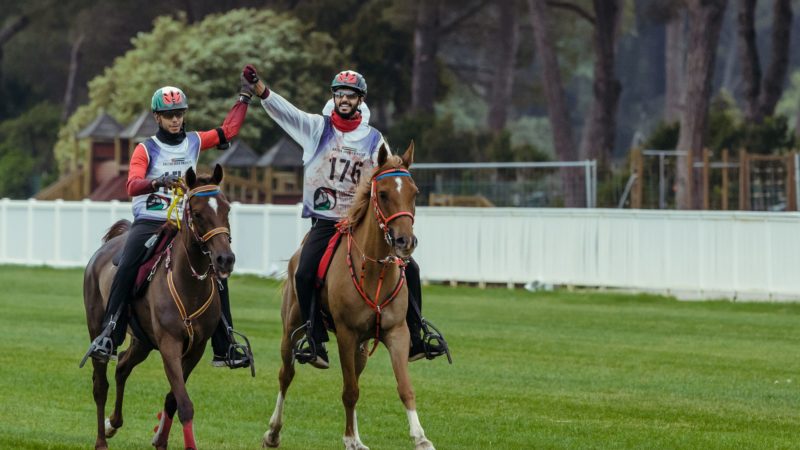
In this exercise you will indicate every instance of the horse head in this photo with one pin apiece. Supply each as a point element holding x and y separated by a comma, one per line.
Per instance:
<point>206,217</point>
<point>393,193</point>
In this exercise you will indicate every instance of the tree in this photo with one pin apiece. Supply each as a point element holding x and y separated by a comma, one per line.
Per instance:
<point>295,61</point>
<point>761,95</point>
<point>705,21</point>
<point>599,131</point>
<point>674,52</point>
<point>426,42</point>
<point>554,91</point>
<point>504,51</point>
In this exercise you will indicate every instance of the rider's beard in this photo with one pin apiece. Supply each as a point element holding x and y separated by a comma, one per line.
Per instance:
<point>349,115</point>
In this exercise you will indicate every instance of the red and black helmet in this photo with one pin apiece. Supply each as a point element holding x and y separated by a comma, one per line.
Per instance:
<point>350,79</point>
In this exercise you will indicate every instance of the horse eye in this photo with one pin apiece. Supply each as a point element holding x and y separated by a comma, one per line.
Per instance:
<point>383,196</point>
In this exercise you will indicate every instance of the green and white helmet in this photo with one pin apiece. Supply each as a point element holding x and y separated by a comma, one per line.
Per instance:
<point>168,98</point>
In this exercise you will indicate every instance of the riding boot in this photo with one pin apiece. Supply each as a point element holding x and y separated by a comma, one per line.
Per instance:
<point>426,340</point>
<point>311,348</point>
<point>227,351</point>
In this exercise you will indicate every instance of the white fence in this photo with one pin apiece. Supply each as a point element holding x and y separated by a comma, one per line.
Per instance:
<point>710,254</point>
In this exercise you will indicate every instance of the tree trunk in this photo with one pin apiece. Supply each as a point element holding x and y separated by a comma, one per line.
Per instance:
<point>505,52</point>
<point>772,84</point>
<point>704,28</point>
<point>748,55</point>
<point>69,92</point>
<point>556,100</point>
<point>674,66</point>
<point>426,42</point>
<point>598,136</point>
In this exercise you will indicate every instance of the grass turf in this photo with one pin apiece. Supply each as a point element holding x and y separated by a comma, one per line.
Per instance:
<point>531,370</point>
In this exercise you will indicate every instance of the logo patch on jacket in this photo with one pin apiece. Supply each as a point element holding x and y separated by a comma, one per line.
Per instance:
<point>324,199</point>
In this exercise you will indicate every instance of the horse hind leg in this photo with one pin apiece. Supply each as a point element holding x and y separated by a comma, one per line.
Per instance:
<point>397,342</point>
<point>100,393</point>
<point>272,438</point>
<point>129,359</point>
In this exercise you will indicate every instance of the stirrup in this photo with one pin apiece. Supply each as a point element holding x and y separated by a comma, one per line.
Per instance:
<point>433,342</point>
<point>102,347</point>
<point>305,349</point>
<point>236,349</point>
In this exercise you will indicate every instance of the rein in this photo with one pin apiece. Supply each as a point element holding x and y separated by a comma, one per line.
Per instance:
<point>202,191</point>
<point>343,227</point>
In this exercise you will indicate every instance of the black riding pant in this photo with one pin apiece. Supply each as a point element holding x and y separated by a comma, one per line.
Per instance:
<point>310,255</point>
<point>122,287</point>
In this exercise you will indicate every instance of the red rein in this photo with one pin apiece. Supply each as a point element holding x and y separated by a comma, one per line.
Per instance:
<point>383,223</point>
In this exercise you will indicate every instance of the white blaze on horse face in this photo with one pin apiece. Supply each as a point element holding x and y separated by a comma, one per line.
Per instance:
<point>212,202</point>
<point>399,181</point>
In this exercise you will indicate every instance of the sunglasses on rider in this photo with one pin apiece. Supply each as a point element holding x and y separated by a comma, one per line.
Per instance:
<point>351,95</point>
<point>172,114</point>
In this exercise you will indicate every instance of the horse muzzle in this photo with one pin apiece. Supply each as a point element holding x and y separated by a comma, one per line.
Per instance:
<point>404,245</point>
<point>223,264</point>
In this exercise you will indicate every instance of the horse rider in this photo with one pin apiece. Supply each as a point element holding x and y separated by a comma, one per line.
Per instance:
<point>156,166</point>
<point>338,146</point>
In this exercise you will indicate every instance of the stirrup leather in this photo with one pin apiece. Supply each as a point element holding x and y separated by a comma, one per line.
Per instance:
<point>305,349</point>
<point>236,349</point>
<point>433,342</point>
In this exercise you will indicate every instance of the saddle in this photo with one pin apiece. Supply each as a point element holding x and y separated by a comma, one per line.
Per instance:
<point>156,246</point>
<point>325,262</point>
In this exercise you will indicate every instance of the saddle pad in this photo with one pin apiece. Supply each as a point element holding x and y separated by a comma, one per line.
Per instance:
<point>165,237</point>
<point>325,262</point>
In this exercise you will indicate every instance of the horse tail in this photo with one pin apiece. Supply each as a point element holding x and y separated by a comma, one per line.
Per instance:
<point>121,226</point>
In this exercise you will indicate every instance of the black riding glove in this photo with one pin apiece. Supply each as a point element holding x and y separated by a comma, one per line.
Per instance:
<point>167,181</point>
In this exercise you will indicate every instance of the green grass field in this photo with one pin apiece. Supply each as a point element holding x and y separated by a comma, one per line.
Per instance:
<point>531,370</point>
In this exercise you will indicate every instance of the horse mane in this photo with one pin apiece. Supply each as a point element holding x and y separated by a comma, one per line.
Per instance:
<point>361,204</point>
<point>118,228</point>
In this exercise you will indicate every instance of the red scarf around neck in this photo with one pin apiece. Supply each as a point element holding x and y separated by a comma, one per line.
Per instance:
<point>345,125</point>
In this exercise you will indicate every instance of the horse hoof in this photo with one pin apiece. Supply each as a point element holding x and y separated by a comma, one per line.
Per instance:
<point>424,444</point>
<point>351,443</point>
<point>271,440</point>
<point>110,431</point>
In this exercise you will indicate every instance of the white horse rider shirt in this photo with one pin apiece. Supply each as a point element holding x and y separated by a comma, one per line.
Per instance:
<point>333,161</point>
<point>165,159</point>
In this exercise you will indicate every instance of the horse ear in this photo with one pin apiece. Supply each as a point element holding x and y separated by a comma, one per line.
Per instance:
<point>408,156</point>
<point>217,177</point>
<point>191,178</point>
<point>383,154</point>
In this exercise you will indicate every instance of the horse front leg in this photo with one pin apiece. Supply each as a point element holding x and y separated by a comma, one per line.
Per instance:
<point>171,350</point>
<point>129,359</point>
<point>164,426</point>
<point>100,393</point>
<point>272,438</point>
<point>348,347</point>
<point>397,341</point>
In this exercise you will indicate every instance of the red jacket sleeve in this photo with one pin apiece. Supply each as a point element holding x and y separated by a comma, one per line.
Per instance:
<point>137,183</point>
<point>230,127</point>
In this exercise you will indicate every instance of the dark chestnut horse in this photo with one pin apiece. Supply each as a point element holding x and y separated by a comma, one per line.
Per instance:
<point>365,294</point>
<point>177,313</point>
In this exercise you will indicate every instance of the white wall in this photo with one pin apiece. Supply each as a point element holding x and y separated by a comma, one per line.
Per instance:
<point>747,255</point>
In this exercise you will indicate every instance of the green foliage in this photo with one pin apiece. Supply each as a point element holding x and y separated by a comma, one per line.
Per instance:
<point>438,140</point>
<point>727,129</point>
<point>664,136</point>
<point>205,59</point>
<point>26,160</point>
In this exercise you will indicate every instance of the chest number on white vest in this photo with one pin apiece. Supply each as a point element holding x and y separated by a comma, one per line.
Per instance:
<point>355,171</point>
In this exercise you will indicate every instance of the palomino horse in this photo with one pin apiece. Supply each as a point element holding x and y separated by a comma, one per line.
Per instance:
<point>365,294</point>
<point>178,312</point>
